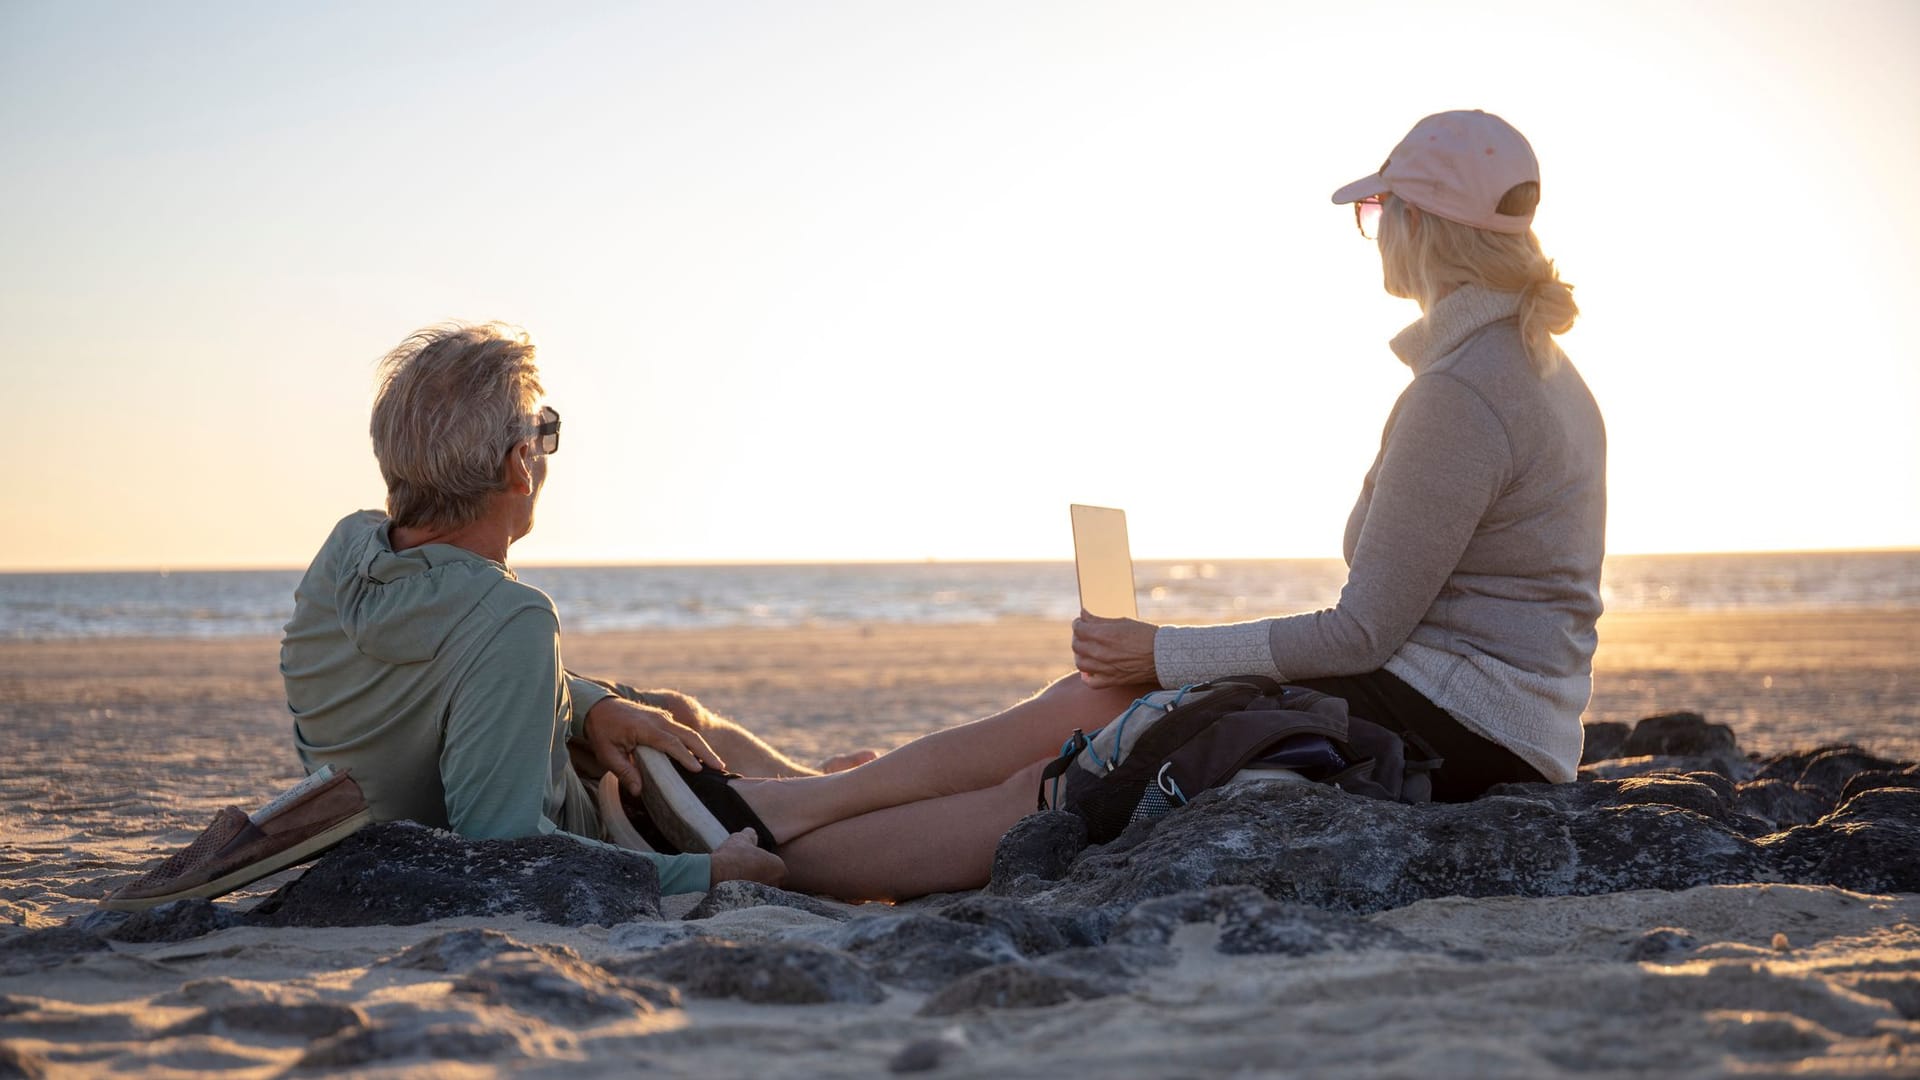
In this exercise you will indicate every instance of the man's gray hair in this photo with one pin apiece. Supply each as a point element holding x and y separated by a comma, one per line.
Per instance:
<point>453,401</point>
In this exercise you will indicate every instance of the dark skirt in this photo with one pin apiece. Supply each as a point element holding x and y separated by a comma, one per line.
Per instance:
<point>1472,764</point>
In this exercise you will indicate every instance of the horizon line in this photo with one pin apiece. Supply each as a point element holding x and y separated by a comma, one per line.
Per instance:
<point>566,564</point>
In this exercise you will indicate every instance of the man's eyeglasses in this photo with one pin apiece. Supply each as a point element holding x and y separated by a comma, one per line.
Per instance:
<point>548,430</point>
<point>1366,215</point>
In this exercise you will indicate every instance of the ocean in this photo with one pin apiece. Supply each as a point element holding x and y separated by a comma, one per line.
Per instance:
<point>240,603</point>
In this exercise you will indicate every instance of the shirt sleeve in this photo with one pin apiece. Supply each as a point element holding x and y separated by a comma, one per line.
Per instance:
<point>586,694</point>
<point>1444,460</point>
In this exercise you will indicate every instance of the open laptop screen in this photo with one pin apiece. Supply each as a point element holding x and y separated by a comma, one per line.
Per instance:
<point>1103,562</point>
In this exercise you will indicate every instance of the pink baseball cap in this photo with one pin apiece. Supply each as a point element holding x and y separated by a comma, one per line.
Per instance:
<point>1456,165</point>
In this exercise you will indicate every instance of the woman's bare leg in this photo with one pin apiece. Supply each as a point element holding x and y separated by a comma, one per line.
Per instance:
<point>965,758</point>
<point>935,845</point>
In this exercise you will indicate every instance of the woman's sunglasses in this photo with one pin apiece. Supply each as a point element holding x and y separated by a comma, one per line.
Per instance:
<point>1366,215</point>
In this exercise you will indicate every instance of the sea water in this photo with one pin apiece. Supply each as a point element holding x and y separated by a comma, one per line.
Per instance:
<point>237,603</point>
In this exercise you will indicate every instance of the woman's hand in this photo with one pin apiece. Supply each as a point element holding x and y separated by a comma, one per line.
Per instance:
<point>617,727</point>
<point>1113,652</point>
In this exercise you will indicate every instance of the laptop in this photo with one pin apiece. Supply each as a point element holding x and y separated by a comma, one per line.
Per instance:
<point>1103,562</point>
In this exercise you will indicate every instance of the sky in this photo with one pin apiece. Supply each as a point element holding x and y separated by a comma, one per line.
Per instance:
<point>877,281</point>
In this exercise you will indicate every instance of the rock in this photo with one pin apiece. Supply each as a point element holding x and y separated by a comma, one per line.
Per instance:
<point>446,1042</point>
<point>1033,931</point>
<point>736,895</point>
<point>1826,768</point>
<point>459,950</point>
<point>1324,848</point>
<point>769,973</point>
<point>38,950</point>
<point>1018,986</point>
<point>1039,846</point>
<point>399,874</point>
<point>1831,769</point>
<point>306,1020</point>
<point>1780,803</point>
<point>1251,923</point>
<point>930,1052</point>
<point>1661,944</point>
<point>1317,846</point>
<point>1679,734</point>
<point>1667,765</point>
<point>1908,777</point>
<point>558,987</point>
<point>100,921</point>
<point>922,952</point>
<point>1870,844</point>
<point>1603,741</point>
<point>176,920</point>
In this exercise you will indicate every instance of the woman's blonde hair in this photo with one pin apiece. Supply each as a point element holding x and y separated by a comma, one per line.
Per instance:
<point>453,401</point>
<point>1425,263</point>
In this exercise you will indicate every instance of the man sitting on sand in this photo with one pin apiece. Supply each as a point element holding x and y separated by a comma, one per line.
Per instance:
<point>417,659</point>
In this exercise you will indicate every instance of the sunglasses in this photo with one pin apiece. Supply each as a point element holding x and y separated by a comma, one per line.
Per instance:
<point>1366,215</point>
<point>548,430</point>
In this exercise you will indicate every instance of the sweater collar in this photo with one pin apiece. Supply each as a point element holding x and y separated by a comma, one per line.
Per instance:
<point>1458,315</point>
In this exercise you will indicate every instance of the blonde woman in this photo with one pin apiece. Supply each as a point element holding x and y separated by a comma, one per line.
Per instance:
<point>1467,620</point>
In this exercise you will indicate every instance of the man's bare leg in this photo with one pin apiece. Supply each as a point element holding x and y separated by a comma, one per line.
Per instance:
<point>970,757</point>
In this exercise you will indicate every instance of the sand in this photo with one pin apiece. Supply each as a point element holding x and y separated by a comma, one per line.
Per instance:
<point>112,752</point>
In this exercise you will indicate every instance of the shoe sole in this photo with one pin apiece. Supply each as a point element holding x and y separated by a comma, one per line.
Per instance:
<point>613,816</point>
<point>676,811</point>
<point>254,871</point>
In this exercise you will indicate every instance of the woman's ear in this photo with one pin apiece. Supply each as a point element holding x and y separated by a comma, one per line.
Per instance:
<point>1413,220</point>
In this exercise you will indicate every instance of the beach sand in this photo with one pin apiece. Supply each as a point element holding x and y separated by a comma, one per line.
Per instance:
<point>113,752</point>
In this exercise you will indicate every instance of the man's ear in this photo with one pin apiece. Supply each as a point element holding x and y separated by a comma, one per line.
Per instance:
<point>518,469</point>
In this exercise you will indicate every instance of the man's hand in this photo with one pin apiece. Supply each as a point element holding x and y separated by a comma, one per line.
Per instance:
<point>739,858</point>
<point>617,727</point>
<point>1113,652</point>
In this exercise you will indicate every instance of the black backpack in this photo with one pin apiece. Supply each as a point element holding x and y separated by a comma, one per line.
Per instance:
<point>1171,745</point>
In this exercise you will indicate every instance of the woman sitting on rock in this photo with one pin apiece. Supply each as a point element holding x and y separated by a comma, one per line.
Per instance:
<point>1467,619</point>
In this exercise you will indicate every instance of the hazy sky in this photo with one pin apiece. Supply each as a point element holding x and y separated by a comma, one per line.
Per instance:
<point>901,280</point>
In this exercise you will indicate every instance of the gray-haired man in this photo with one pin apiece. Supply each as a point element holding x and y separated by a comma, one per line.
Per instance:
<point>416,657</point>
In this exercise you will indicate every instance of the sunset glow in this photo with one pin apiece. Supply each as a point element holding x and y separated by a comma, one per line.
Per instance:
<point>874,281</point>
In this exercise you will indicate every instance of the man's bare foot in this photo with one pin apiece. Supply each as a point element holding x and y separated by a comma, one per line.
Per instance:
<point>739,858</point>
<point>843,762</point>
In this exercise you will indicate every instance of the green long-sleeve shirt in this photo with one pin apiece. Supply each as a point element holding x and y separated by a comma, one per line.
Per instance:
<point>436,677</point>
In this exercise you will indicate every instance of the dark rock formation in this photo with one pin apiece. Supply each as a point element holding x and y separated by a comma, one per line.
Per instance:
<point>459,950</point>
<point>771,973</point>
<point>922,952</point>
<point>555,986</point>
<point>366,1045</point>
<point>1251,923</point>
<point>1033,931</point>
<point>399,873</point>
<point>1604,740</point>
<point>1040,846</point>
<point>178,920</point>
<point>735,895</point>
<point>1680,734</point>
<point>1324,848</point>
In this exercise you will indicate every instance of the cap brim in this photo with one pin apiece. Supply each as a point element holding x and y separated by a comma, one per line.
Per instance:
<point>1364,188</point>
